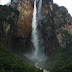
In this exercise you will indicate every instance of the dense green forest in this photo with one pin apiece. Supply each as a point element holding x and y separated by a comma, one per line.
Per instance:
<point>11,63</point>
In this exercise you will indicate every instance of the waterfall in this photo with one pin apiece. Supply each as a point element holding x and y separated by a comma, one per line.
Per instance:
<point>40,5</point>
<point>35,33</point>
<point>37,54</point>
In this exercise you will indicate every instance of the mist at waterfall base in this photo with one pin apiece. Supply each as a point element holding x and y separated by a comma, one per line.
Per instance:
<point>37,54</point>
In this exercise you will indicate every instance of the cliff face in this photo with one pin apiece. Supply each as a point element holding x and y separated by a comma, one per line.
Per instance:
<point>47,30</point>
<point>22,40</point>
<point>49,37</point>
<point>8,20</point>
<point>63,24</point>
<point>52,19</point>
<point>61,16</point>
<point>45,26</point>
<point>25,18</point>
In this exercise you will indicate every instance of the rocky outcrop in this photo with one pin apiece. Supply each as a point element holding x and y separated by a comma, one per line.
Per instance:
<point>62,23</point>
<point>25,18</point>
<point>61,16</point>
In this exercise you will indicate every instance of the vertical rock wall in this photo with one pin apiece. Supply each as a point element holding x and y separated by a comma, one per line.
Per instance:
<point>47,30</point>
<point>45,25</point>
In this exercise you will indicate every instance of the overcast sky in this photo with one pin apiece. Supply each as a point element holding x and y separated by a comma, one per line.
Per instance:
<point>66,3</point>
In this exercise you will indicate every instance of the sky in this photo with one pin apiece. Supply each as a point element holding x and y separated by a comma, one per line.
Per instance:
<point>3,2</point>
<point>66,3</point>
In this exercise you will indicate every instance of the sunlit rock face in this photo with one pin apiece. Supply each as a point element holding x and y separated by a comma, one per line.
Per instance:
<point>25,18</point>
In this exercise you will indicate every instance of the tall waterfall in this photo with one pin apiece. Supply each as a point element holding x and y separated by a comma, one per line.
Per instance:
<point>37,53</point>
<point>35,33</point>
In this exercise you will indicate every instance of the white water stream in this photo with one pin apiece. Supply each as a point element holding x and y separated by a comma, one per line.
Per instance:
<point>40,5</point>
<point>35,33</point>
<point>37,54</point>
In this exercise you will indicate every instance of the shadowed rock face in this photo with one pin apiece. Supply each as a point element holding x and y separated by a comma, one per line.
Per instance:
<point>47,30</point>
<point>8,20</point>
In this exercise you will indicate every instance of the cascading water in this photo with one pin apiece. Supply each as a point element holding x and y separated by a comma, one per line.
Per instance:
<point>37,53</point>
<point>40,5</point>
<point>35,33</point>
